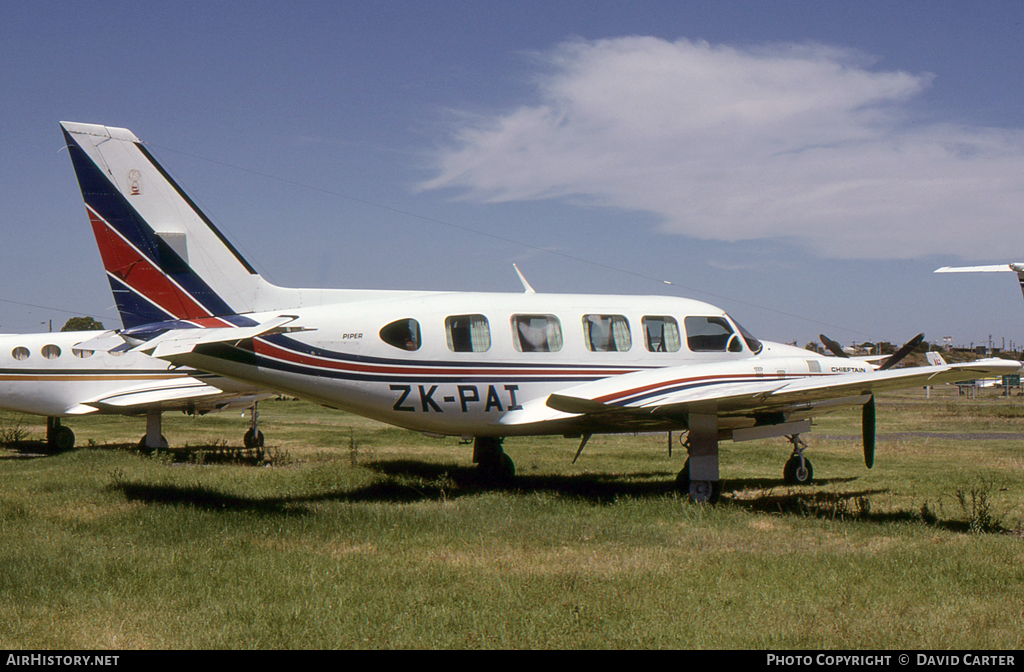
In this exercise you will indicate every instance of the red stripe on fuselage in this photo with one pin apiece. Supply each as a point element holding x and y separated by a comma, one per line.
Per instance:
<point>270,350</point>
<point>133,269</point>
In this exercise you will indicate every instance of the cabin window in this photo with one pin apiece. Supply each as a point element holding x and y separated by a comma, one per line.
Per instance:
<point>79,352</point>
<point>536,333</point>
<point>468,333</point>
<point>20,353</point>
<point>661,334</point>
<point>51,351</point>
<point>607,333</point>
<point>711,334</point>
<point>403,334</point>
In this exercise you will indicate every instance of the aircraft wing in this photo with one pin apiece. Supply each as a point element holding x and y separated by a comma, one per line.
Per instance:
<point>638,400</point>
<point>183,393</point>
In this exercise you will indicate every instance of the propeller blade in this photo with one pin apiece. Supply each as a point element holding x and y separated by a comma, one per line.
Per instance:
<point>868,427</point>
<point>832,346</point>
<point>907,348</point>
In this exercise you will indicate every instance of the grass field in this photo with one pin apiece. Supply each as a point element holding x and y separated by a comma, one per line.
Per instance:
<point>360,535</point>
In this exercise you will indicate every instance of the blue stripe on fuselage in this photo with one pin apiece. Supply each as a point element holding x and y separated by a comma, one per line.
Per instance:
<point>108,202</point>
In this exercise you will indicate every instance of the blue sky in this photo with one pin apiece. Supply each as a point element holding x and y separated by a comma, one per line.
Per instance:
<point>804,165</point>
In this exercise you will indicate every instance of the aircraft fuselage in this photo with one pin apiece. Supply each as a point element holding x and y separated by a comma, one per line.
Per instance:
<point>456,363</point>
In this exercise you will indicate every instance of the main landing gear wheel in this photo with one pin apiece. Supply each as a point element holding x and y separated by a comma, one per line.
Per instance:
<point>702,492</point>
<point>63,439</point>
<point>798,469</point>
<point>58,437</point>
<point>147,449</point>
<point>253,439</point>
<point>494,467</point>
<point>795,473</point>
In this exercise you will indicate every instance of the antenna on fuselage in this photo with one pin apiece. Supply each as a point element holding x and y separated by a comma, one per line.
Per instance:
<point>526,286</point>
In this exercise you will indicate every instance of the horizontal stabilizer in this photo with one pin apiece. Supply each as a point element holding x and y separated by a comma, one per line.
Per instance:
<point>998,268</point>
<point>102,342</point>
<point>183,341</point>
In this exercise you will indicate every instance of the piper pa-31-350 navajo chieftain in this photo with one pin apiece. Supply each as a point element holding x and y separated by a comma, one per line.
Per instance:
<point>51,374</point>
<point>468,364</point>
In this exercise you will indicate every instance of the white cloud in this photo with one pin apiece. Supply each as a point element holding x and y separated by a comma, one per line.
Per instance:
<point>786,141</point>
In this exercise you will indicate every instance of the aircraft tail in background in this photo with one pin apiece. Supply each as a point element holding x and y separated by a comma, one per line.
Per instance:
<point>1017,268</point>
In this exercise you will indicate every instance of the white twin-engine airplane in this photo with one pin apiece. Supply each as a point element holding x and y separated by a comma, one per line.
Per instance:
<point>51,374</point>
<point>469,364</point>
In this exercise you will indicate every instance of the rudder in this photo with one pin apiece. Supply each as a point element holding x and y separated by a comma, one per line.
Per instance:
<point>163,257</point>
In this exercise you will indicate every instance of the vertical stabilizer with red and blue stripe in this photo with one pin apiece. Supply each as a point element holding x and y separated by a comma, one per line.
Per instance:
<point>164,259</point>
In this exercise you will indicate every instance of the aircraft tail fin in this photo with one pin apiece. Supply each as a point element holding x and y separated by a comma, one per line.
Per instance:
<point>934,358</point>
<point>164,258</point>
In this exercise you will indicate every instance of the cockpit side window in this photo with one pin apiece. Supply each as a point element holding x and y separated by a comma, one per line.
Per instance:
<point>403,334</point>
<point>607,333</point>
<point>711,334</point>
<point>661,334</point>
<point>468,333</point>
<point>755,345</point>
<point>536,333</point>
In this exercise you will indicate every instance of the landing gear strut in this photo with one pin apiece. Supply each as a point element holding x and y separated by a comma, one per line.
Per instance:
<point>58,437</point>
<point>798,469</point>
<point>254,437</point>
<point>154,440</point>
<point>493,465</point>
<point>699,477</point>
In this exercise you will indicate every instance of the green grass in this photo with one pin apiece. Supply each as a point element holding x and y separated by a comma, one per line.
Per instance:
<point>360,535</point>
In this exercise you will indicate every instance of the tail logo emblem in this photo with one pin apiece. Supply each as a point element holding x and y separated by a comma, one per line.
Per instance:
<point>134,177</point>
